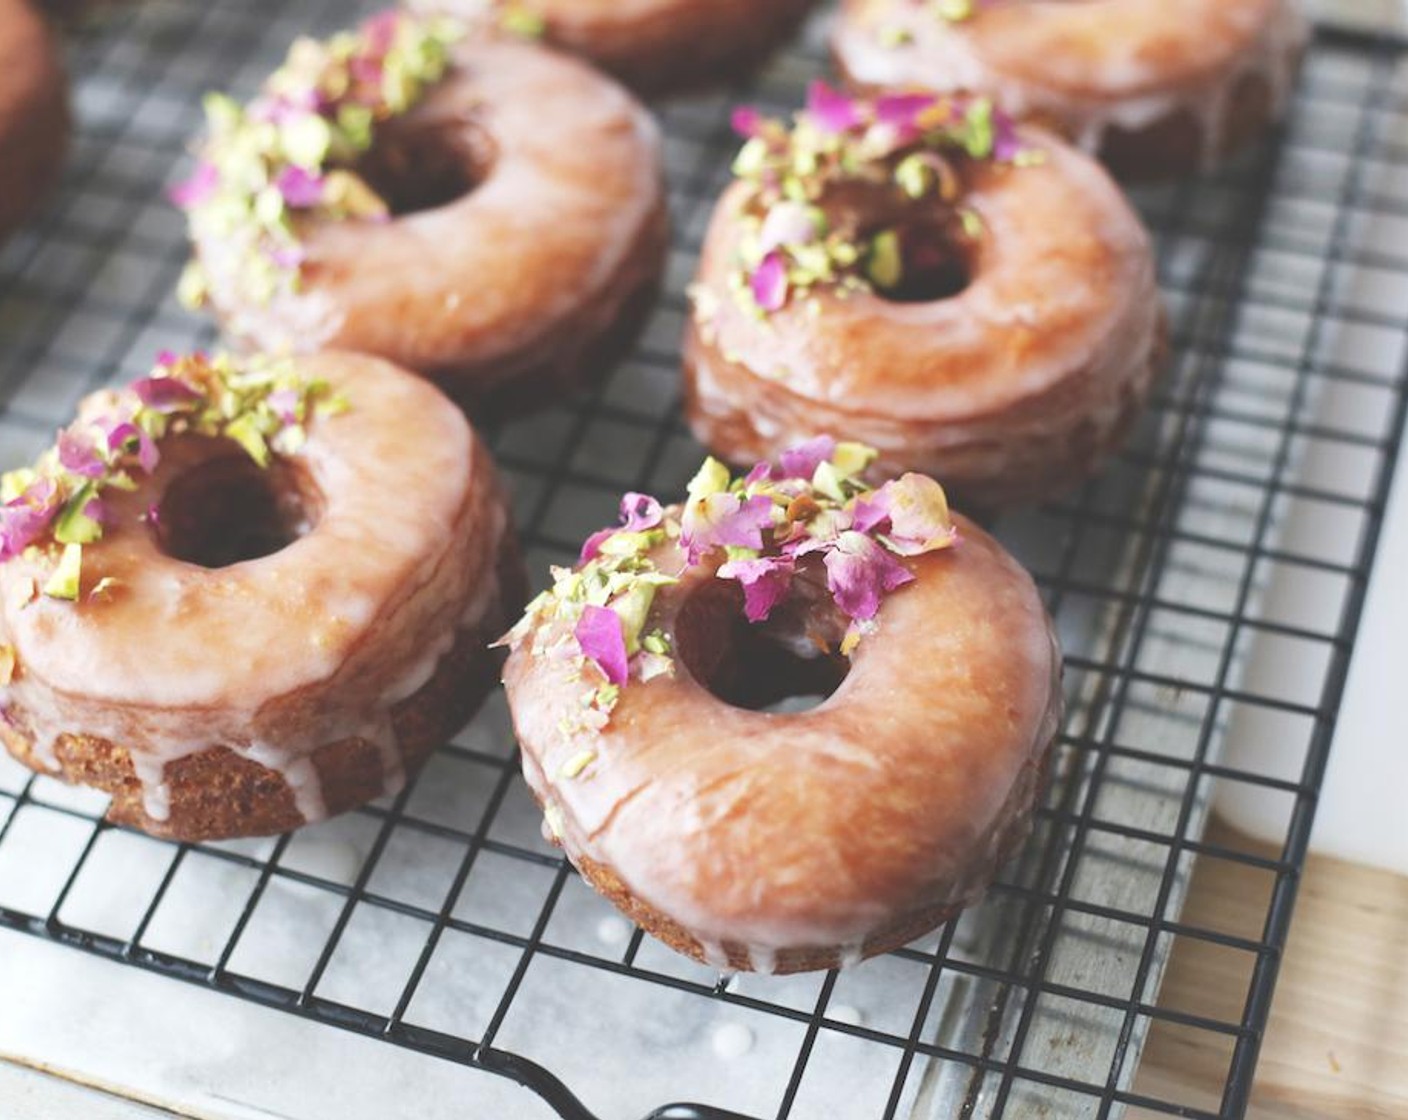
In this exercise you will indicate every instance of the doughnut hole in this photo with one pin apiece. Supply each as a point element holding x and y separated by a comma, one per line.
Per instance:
<point>787,663</point>
<point>937,261</point>
<point>420,164</point>
<point>226,509</point>
<point>937,265</point>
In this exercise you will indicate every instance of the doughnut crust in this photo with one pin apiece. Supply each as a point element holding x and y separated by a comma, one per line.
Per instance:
<point>1013,389</point>
<point>658,47</point>
<point>34,115</point>
<point>753,840</point>
<point>1156,90</point>
<point>253,698</point>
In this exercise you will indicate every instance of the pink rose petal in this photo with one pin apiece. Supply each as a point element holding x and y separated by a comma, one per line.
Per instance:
<point>165,394</point>
<point>591,547</point>
<point>603,642</point>
<point>769,282</point>
<point>1006,144</point>
<point>765,581</point>
<point>724,520</point>
<point>283,403</point>
<point>300,188</point>
<point>24,520</point>
<point>916,509</point>
<point>746,121</point>
<point>802,461</point>
<point>126,433</point>
<point>761,472</point>
<point>79,456</point>
<point>380,30</point>
<point>860,572</point>
<point>830,110</point>
<point>288,256</point>
<point>787,223</point>
<point>198,189</point>
<point>640,512</point>
<point>901,110</point>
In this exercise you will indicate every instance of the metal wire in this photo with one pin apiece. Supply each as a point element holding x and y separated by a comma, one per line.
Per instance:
<point>1158,574</point>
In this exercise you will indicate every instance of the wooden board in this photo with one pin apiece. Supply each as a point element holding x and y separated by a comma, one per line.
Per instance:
<point>1337,1047</point>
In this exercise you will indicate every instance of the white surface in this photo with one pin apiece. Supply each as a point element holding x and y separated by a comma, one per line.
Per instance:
<point>26,1093</point>
<point>1361,815</point>
<point>221,1059</point>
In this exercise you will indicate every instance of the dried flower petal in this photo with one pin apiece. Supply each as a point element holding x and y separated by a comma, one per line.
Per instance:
<point>165,394</point>
<point>722,521</point>
<point>830,110</point>
<point>859,572</point>
<point>802,461</point>
<point>787,223</point>
<point>912,512</point>
<point>746,121</point>
<point>126,437</point>
<point>601,639</point>
<point>300,188</point>
<point>79,455</point>
<point>199,189</point>
<point>25,519</point>
<point>640,512</point>
<point>902,110</point>
<point>769,282</point>
<point>766,581</point>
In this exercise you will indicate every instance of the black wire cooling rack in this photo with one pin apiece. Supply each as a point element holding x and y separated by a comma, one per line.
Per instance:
<point>440,922</point>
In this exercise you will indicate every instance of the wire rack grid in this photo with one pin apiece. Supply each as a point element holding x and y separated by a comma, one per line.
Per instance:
<point>441,922</point>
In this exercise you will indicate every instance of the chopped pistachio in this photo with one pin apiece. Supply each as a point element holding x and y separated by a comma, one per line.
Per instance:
<point>64,582</point>
<point>576,764</point>
<point>519,20</point>
<point>886,266</point>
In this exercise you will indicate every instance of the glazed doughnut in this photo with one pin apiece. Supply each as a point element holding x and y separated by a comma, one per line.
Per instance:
<point>34,120</point>
<point>657,47</point>
<point>236,651</point>
<point>498,226</point>
<point>976,302</point>
<point>1155,89</point>
<point>758,840</point>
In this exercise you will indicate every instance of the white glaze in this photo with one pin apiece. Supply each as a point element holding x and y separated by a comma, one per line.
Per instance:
<point>732,1040</point>
<point>1122,91</point>
<point>276,657</point>
<point>845,1013</point>
<point>850,956</point>
<point>613,931</point>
